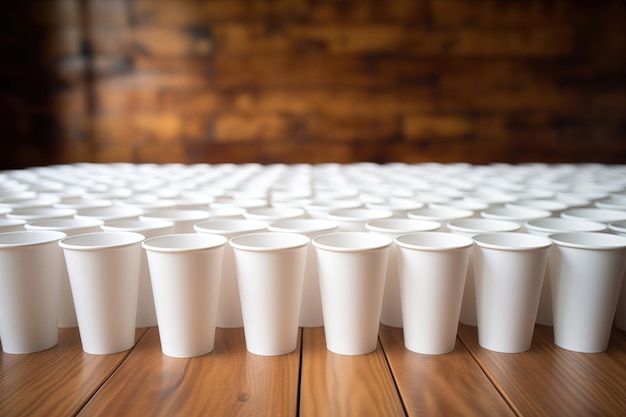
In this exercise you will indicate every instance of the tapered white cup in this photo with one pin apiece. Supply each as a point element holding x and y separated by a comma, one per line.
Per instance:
<point>508,275</point>
<point>71,227</point>
<point>103,268</point>
<point>30,281</point>
<point>352,268</point>
<point>620,312</point>
<point>185,272</point>
<point>229,303</point>
<point>311,303</point>
<point>586,272</point>
<point>146,313</point>
<point>391,314</point>
<point>545,227</point>
<point>471,227</point>
<point>270,272</point>
<point>184,220</point>
<point>432,267</point>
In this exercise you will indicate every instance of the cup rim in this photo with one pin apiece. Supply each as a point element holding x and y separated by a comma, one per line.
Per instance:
<point>433,241</point>
<point>302,225</point>
<point>37,237</point>
<point>62,225</point>
<point>581,240</point>
<point>403,225</point>
<point>358,241</point>
<point>550,225</point>
<point>246,242</point>
<point>511,241</point>
<point>117,225</point>
<point>175,215</point>
<point>603,215</point>
<point>123,239</point>
<point>618,227</point>
<point>363,214</point>
<point>234,226</point>
<point>192,242</point>
<point>465,225</point>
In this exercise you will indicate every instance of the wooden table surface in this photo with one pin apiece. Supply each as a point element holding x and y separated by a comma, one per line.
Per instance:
<point>392,381</point>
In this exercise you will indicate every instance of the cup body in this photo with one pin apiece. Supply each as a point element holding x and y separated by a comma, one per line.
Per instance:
<point>229,303</point>
<point>509,270</point>
<point>71,227</point>
<point>586,272</point>
<point>620,312</point>
<point>352,268</point>
<point>270,273</point>
<point>103,269</point>
<point>30,280</point>
<point>311,303</point>
<point>471,227</point>
<point>146,313</point>
<point>391,313</point>
<point>185,272</point>
<point>432,269</point>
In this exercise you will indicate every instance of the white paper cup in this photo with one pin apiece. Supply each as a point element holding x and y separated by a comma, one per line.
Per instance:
<point>11,225</point>
<point>146,313</point>
<point>586,272</point>
<point>470,228</point>
<point>620,312</point>
<point>184,220</point>
<point>352,268</point>
<point>432,267</point>
<point>270,272</point>
<point>595,214</point>
<point>391,314</point>
<point>508,275</point>
<point>311,303</point>
<point>30,279</point>
<point>40,213</point>
<point>109,213</point>
<point>514,214</point>
<point>268,215</point>
<point>229,302</point>
<point>545,227</point>
<point>319,209</point>
<point>354,220</point>
<point>185,272</point>
<point>441,214</point>
<point>103,268</point>
<point>71,227</point>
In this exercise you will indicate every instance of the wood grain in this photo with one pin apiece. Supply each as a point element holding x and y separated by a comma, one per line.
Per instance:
<point>54,382</point>
<point>441,385</point>
<point>226,382</point>
<point>338,385</point>
<point>550,381</point>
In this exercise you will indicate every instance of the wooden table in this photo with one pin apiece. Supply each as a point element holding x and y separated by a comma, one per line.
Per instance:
<point>546,381</point>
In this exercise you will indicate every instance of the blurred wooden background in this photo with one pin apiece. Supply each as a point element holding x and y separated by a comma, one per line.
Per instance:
<point>312,81</point>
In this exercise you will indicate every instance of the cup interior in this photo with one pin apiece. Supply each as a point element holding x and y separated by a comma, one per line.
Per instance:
<point>302,226</point>
<point>268,241</point>
<point>351,241</point>
<point>511,241</point>
<point>135,225</point>
<point>559,224</point>
<point>402,225</point>
<point>184,242</point>
<point>589,240</point>
<point>229,226</point>
<point>433,241</point>
<point>482,226</point>
<point>25,238</point>
<point>100,240</point>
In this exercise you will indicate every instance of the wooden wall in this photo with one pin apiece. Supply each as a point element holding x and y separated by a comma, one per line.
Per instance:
<point>312,81</point>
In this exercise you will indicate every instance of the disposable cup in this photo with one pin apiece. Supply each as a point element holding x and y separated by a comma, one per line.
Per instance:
<point>12,225</point>
<point>270,272</point>
<point>508,274</point>
<point>586,272</point>
<point>595,214</point>
<point>103,268</point>
<point>319,209</point>
<point>30,279</point>
<point>229,303</point>
<point>620,312</point>
<point>40,213</point>
<point>391,313</point>
<point>432,268</point>
<point>311,303</point>
<point>268,215</point>
<point>184,220</point>
<point>71,227</point>
<point>471,227</point>
<point>185,274</point>
<point>545,227</point>
<point>514,214</point>
<point>109,213</point>
<point>441,214</point>
<point>352,268</point>
<point>146,313</point>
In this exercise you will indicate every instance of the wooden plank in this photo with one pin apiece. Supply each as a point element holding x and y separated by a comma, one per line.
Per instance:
<point>440,385</point>
<point>54,382</point>
<point>550,381</point>
<point>226,382</point>
<point>338,385</point>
